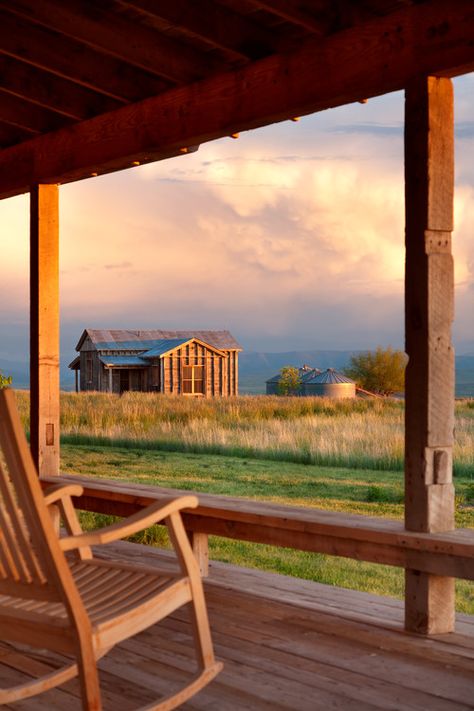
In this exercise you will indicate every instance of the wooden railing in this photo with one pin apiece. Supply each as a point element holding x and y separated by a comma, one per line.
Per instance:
<point>365,538</point>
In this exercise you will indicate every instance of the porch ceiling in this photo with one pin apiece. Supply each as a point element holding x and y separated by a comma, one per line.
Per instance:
<point>89,87</point>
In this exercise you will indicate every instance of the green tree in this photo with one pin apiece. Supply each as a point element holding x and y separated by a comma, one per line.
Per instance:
<point>290,381</point>
<point>381,371</point>
<point>5,380</point>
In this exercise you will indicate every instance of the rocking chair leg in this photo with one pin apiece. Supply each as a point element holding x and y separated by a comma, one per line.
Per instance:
<point>89,679</point>
<point>189,566</point>
<point>201,630</point>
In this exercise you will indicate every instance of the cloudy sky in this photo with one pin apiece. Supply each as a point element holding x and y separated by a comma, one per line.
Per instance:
<point>291,237</point>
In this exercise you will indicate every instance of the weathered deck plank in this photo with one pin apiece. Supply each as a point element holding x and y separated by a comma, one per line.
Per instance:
<point>286,644</point>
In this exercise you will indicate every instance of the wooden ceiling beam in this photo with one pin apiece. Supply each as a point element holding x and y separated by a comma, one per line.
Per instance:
<point>74,61</point>
<point>288,10</point>
<point>109,32</point>
<point>372,59</point>
<point>9,135</point>
<point>213,23</point>
<point>27,116</point>
<point>51,91</point>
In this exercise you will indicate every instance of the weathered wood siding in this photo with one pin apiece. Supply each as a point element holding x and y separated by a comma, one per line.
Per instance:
<point>220,372</point>
<point>93,383</point>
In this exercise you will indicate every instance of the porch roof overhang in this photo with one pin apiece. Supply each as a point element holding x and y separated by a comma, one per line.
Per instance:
<point>124,361</point>
<point>78,98</point>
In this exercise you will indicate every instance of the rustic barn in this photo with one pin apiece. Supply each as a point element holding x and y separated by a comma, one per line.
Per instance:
<point>330,383</point>
<point>91,87</point>
<point>200,363</point>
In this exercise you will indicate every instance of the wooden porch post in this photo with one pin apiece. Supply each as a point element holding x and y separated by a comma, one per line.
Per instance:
<point>429,294</point>
<point>44,328</point>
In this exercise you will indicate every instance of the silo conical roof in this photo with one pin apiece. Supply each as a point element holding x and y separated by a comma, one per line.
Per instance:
<point>329,376</point>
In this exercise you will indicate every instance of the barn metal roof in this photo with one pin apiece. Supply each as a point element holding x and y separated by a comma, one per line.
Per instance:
<point>164,346</point>
<point>329,376</point>
<point>122,360</point>
<point>144,340</point>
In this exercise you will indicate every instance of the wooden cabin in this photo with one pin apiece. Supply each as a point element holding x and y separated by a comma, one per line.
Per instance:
<point>200,363</point>
<point>89,88</point>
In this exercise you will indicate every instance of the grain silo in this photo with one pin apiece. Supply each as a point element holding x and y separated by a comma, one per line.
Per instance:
<point>330,383</point>
<point>305,372</point>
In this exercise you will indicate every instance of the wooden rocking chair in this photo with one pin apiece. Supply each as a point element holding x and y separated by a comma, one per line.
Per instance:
<point>81,605</point>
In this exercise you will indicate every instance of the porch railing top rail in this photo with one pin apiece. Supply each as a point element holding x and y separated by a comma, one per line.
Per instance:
<point>354,536</point>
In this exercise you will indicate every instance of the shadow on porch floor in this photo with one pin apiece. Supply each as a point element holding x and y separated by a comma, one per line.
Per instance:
<point>286,644</point>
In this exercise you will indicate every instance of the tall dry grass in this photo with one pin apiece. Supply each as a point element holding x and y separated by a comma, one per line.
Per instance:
<point>356,433</point>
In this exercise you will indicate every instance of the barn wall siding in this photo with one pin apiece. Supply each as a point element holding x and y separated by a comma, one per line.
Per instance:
<point>220,372</point>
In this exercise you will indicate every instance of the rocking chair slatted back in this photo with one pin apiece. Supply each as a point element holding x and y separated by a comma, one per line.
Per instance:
<point>32,564</point>
<point>18,559</point>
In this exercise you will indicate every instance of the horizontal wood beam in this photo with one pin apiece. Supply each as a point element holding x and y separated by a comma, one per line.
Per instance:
<point>352,536</point>
<point>124,39</point>
<point>380,56</point>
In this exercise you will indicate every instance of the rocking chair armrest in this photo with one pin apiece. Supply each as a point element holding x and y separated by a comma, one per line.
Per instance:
<point>132,524</point>
<point>56,492</point>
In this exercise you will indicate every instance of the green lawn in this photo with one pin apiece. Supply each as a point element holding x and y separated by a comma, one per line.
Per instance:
<point>369,492</point>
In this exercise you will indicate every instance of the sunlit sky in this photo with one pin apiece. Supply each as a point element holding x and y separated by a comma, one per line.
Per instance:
<point>291,237</point>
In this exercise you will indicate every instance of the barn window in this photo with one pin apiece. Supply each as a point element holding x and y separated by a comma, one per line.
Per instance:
<point>193,379</point>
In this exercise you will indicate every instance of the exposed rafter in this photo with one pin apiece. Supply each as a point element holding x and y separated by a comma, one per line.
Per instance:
<point>289,11</point>
<point>9,135</point>
<point>52,92</point>
<point>213,23</point>
<point>382,55</point>
<point>27,116</point>
<point>73,60</point>
<point>113,34</point>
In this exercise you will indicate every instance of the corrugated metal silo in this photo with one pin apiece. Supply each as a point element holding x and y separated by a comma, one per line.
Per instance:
<point>330,383</point>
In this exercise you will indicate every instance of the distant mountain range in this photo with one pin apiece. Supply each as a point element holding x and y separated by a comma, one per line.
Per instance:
<point>256,367</point>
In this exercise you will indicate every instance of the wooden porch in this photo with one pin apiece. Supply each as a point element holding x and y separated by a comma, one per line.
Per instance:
<point>286,644</point>
<point>80,100</point>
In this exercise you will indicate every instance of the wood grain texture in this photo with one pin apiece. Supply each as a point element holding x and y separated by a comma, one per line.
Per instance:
<point>429,297</point>
<point>44,327</point>
<point>353,536</point>
<point>376,57</point>
<point>63,56</point>
<point>133,42</point>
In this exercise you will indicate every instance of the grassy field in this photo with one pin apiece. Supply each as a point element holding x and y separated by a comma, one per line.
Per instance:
<point>370,492</point>
<point>364,434</point>
<point>343,456</point>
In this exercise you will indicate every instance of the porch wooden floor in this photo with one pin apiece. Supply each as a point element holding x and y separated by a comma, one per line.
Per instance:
<point>286,644</point>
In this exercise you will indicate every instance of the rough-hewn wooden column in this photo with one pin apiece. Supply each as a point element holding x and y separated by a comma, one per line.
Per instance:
<point>429,424</point>
<point>44,328</point>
